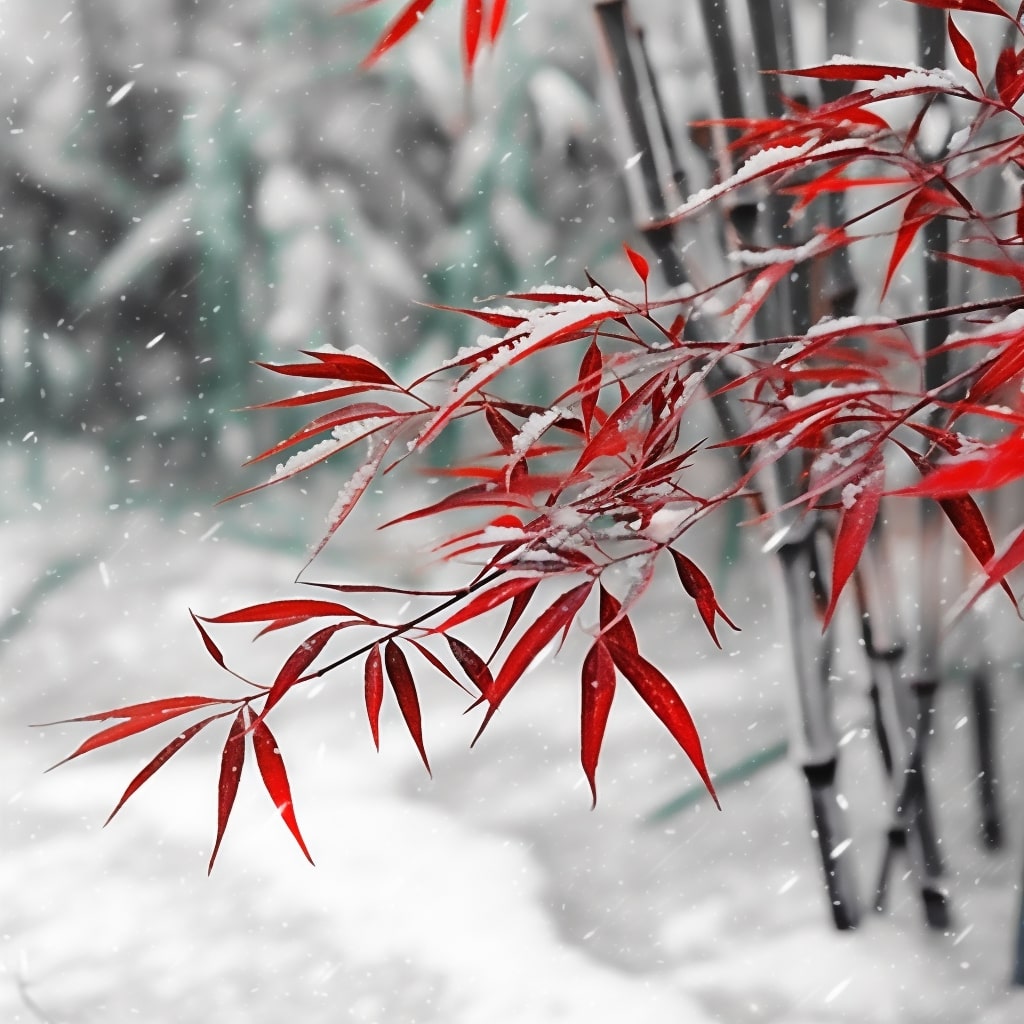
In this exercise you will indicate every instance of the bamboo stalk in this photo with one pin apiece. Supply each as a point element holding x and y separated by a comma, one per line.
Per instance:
<point>815,737</point>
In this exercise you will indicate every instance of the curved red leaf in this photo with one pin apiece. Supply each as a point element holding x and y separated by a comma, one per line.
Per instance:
<point>298,610</point>
<point>598,689</point>
<point>558,616</point>
<point>405,691</point>
<point>472,664</point>
<point>298,661</point>
<point>661,697</point>
<point>698,586</point>
<point>232,760</point>
<point>860,509</point>
<point>472,24</point>
<point>484,602</point>
<point>159,761</point>
<point>166,706</point>
<point>275,779</point>
<point>978,6</point>
<point>373,677</point>
<point>497,19</point>
<point>640,265</point>
<point>962,48</point>
<point>590,370</point>
<point>404,23</point>
<point>989,468</point>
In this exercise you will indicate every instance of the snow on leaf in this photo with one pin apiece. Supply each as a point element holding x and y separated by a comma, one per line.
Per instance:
<point>979,468</point>
<point>275,779</point>
<point>855,523</point>
<point>533,428</point>
<point>772,160</point>
<point>917,78</point>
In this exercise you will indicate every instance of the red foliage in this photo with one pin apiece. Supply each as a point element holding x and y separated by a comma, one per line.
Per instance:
<point>607,477</point>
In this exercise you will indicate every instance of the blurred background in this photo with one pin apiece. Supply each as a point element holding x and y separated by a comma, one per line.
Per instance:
<point>188,188</point>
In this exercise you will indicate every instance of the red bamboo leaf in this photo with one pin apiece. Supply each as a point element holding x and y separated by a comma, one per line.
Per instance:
<point>965,515</point>
<point>497,19</point>
<point>356,416</point>
<point>912,222</point>
<point>598,689</point>
<point>356,487</point>
<point>614,625</point>
<point>275,778</point>
<point>860,509</point>
<point>978,6</point>
<point>698,586</point>
<point>404,23</point>
<point>298,610</point>
<point>967,519</point>
<point>590,371</point>
<point>298,661</point>
<point>437,663</point>
<point>469,497</point>
<point>849,72</point>
<point>472,24</point>
<point>991,467</point>
<point>312,398</point>
<point>962,48</point>
<point>503,431</point>
<point>503,320</point>
<point>121,731</point>
<point>405,691</point>
<point>158,762</point>
<point>211,648</point>
<point>232,760</point>
<point>515,613</point>
<point>999,267</point>
<point>548,332</point>
<point>557,616</point>
<point>640,265</point>
<point>169,707</point>
<point>335,366</point>
<point>1003,368</point>
<point>472,664</point>
<point>484,602</point>
<point>995,571</point>
<point>661,697</point>
<point>1001,565</point>
<point>373,676</point>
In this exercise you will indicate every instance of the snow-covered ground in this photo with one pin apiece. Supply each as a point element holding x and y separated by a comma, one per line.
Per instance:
<point>491,894</point>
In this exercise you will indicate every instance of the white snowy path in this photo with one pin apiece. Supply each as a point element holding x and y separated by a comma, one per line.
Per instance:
<point>490,895</point>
